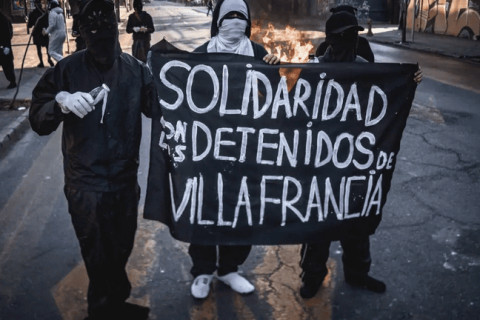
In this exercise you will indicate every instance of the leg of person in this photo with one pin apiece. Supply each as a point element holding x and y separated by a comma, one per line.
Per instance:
<point>55,47</point>
<point>146,48</point>
<point>97,220</point>
<point>135,49</point>
<point>204,259</point>
<point>123,219</point>
<point>356,264</point>
<point>50,61</point>
<point>313,262</point>
<point>8,69</point>
<point>39,54</point>
<point>230,257</point>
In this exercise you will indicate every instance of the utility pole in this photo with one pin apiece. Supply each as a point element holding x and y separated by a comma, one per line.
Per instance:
<point>26,14</point>
<point>403,15</point>
<point>117,9</point>
<point>414,11</point>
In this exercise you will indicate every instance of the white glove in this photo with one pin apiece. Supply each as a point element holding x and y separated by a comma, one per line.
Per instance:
<point>80,103</point>
<point>136,29</point>
<point>6,51</point>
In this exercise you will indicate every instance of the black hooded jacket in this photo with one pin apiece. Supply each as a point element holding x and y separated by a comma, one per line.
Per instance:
<point>97,156</point>
<point>145,21</point>
<point>38,19</point>
<point>6,31</point>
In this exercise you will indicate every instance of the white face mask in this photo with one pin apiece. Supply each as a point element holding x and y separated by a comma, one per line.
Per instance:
<point>232,30</point>
<point>231,38</point>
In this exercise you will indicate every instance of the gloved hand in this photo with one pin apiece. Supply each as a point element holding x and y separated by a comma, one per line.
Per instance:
<point>136,29</point>
<point>44,31</point>
<point>6,51</point>
<point>80,103</point>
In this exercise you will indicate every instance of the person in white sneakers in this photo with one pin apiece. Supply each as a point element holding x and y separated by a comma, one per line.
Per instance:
<point>230,33</point>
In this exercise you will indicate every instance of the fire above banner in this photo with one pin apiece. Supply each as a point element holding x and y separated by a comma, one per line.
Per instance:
<point>247,153</point>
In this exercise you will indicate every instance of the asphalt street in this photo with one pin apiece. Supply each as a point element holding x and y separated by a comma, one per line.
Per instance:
<point>427,248</point>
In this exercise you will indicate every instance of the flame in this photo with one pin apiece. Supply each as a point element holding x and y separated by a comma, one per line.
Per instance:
<point>289,44</point>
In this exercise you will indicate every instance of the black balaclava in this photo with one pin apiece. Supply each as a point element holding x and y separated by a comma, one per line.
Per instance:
<point>98,27</point>
<point>342,46</point>
<point>138,5</point>
<point>341,31</point>
<point>38,5</point>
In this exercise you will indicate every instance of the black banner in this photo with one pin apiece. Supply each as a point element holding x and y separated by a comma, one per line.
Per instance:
<point>247,153</point>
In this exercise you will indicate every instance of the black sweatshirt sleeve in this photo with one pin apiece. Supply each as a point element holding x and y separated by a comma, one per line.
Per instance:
<point>45,114</point>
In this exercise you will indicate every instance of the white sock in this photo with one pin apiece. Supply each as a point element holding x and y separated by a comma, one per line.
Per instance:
<point>237,282</point>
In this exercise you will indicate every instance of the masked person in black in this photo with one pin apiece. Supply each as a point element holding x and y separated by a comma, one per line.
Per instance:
<point>99,94</point>
<point>363,47</point>
<point>342,36</point>
<point>6,54</point>
<point>38,20</point>
<point>230,33</point>
<point>140,23</point>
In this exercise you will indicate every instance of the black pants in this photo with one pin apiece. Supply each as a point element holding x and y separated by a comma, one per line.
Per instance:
<point>356,257</point>
<point>140,49</point>
<point>204,259</point>
<point>6,61</point>
<point>39,53</point>
<point>105,225</point>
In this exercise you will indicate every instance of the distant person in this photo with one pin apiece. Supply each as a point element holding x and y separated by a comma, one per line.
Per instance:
<point>67,8</point>
<point>230,33</point>
<point>209,7</point>
<point>363,48</point>
<point>99,95</point>
<point>140,23</point>
<point>38,20</point>
<point>6,54</point>
<point>342,34</point>
<point>56,31</point>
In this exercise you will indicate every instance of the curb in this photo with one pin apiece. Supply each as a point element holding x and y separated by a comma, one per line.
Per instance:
<point>11,133</point>
<point>439,52</point>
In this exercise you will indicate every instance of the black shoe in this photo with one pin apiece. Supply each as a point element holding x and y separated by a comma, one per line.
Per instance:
<point>12,85</point>
<point>124,311</point>
<point>41,65</point>
<point>368,283</point>
<point>310,286</point>
<point>130,311</point>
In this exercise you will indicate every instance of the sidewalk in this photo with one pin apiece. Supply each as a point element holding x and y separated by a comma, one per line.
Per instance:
<point>13,121</point>
<point>468,50</point>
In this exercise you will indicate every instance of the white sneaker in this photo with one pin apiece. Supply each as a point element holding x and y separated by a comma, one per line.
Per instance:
<point>237,283</point>
<point>201,286</point>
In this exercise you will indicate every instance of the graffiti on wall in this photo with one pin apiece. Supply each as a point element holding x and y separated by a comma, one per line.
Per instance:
<point>458,18</point>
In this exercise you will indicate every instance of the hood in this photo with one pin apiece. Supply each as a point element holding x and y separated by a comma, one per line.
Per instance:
<point>216,16</point>
<point>57,10</point>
